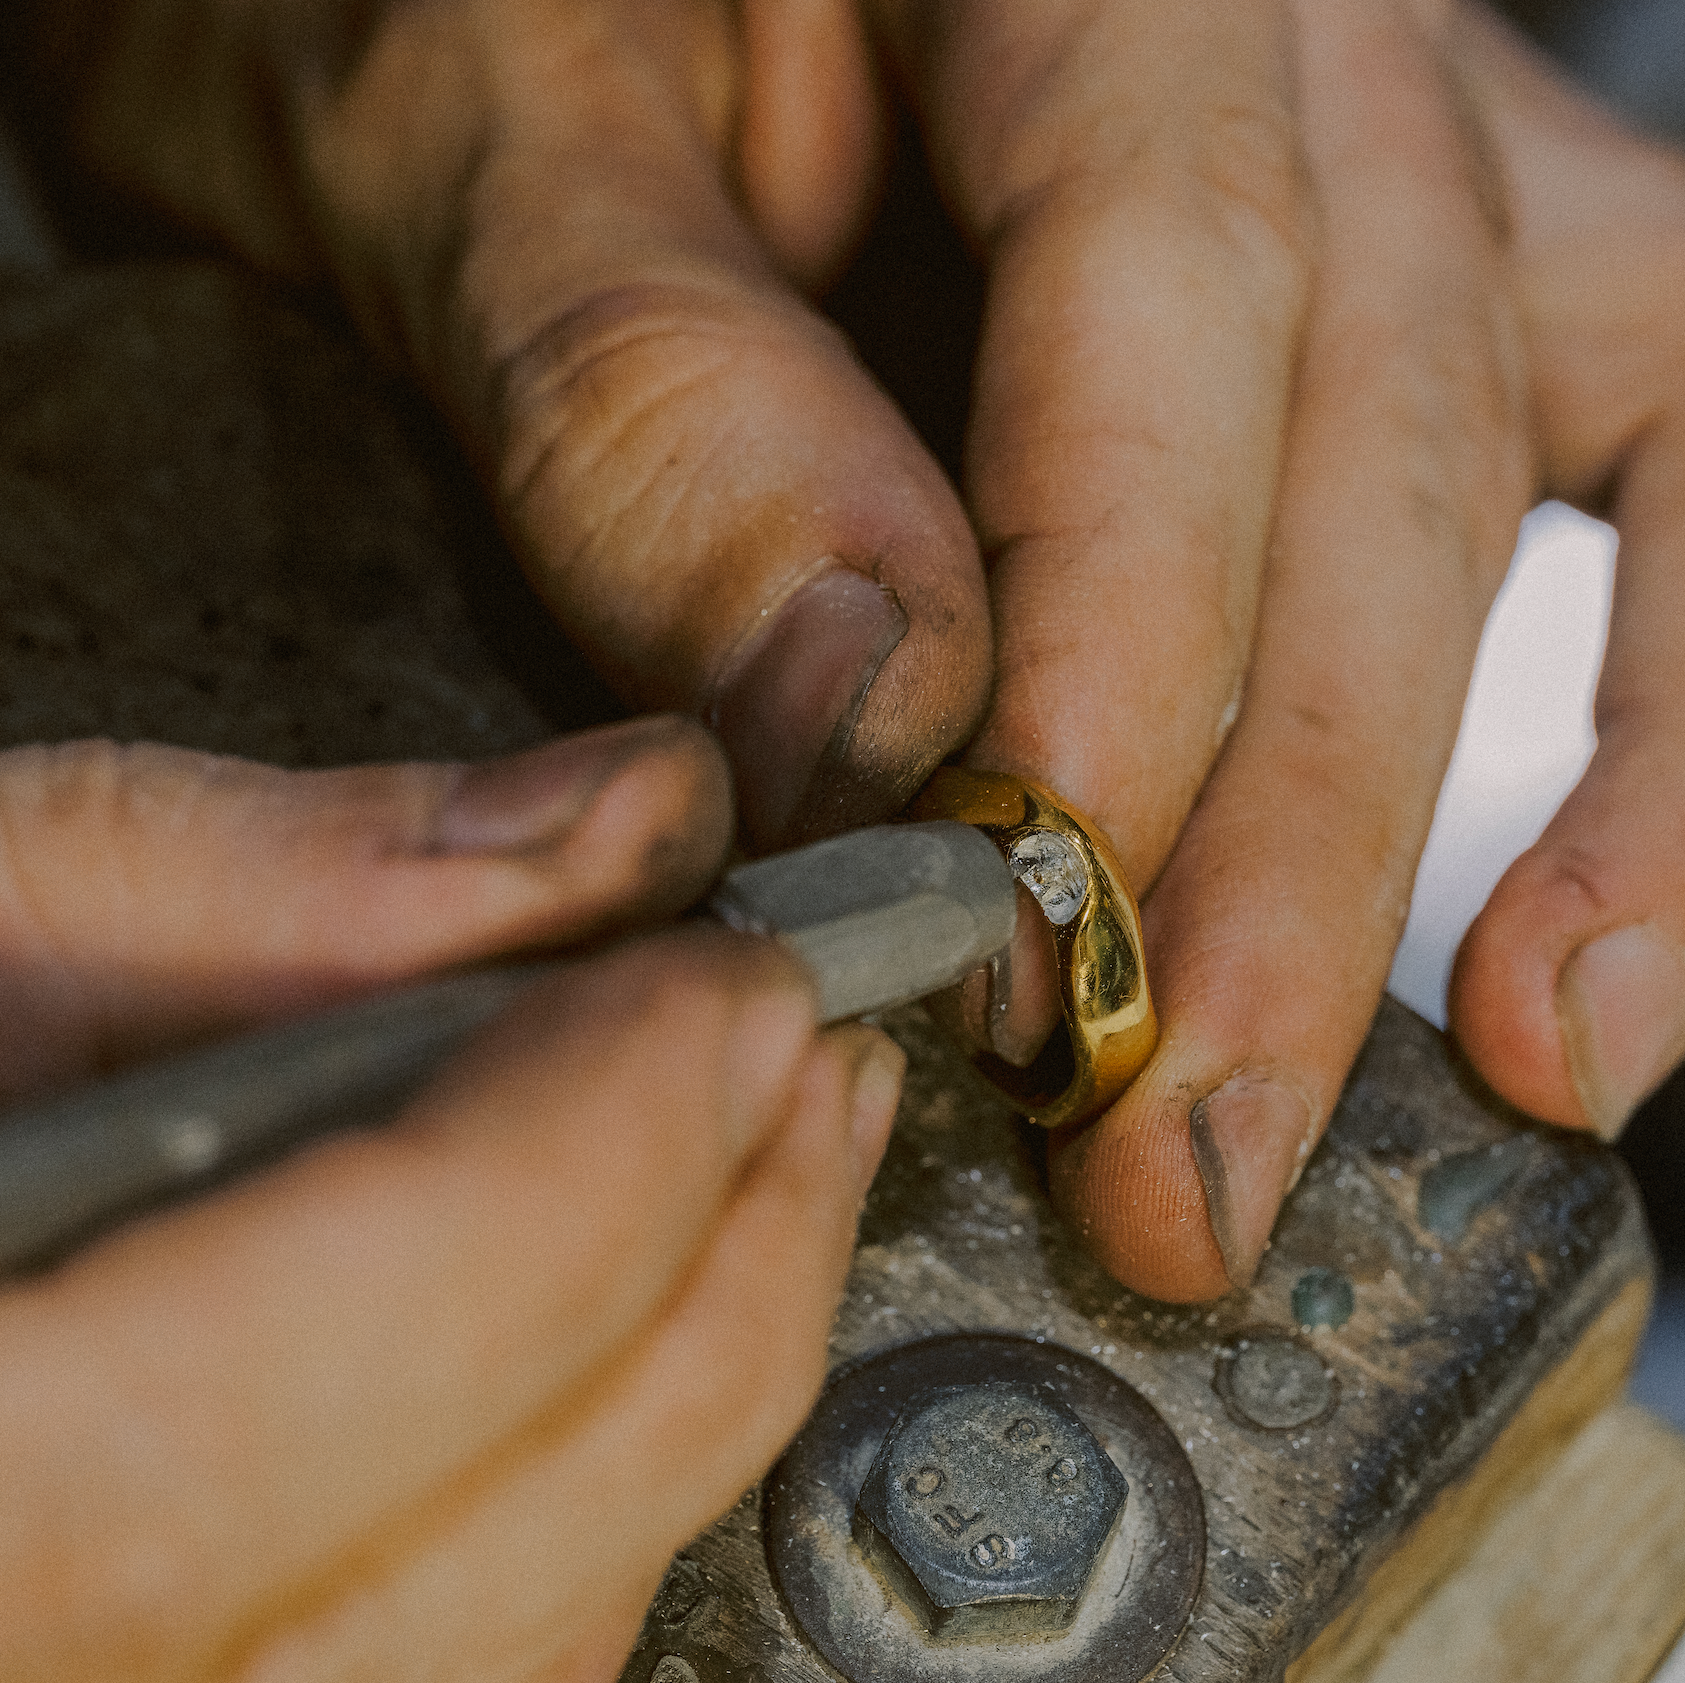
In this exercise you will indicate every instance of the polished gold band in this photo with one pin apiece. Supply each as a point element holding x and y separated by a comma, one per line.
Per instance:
<point>1110,1026</point>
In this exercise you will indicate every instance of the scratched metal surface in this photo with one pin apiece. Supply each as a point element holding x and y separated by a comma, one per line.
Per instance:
<point>1444,1341</point>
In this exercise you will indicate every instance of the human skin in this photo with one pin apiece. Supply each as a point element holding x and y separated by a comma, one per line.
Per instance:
<point>443,1398</point>
<point>1287,321</point>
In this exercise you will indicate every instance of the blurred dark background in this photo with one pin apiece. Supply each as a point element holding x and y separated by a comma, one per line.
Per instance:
<point>1630,52</point>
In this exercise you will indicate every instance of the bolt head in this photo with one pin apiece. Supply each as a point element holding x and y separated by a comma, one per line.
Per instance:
<point>1274,1381</point>
<point>986,1508</point>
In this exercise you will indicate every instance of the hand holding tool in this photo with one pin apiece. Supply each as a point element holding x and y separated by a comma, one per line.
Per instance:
<point>880,916</point>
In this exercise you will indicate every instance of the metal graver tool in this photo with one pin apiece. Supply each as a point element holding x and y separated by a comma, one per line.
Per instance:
<point>879,916</point>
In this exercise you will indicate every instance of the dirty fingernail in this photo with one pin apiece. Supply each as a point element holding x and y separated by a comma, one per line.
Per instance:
<point>1250,1138</point>
<point>1620,1001</point>
<point>787,713</point>
<point>877,1094</point>
<point>526,800</point>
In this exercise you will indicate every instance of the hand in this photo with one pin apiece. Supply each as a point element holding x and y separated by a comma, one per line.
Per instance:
<point>1476,222</point>
<point>443,1396</point>
<point>1247,457</point>
<point>583,225</point>
<point>1248,454</point>
<point>1569,991</point>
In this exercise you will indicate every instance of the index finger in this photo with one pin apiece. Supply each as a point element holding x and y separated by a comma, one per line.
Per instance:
<point>706,487</point>
<point>1134,179</point>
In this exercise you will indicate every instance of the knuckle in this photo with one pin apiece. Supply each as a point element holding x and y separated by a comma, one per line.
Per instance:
<point>65,779</point>
<point>574,377</point>
<point>640,450</point>
<point>1447,394</point>
<point>594,377</point>
<point>1248,182</point>
<point>1227,189</point>
<point>63,797</point>
<point>1571,876</point>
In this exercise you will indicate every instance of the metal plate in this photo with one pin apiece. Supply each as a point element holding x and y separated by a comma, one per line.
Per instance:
<point>1144,1584</point>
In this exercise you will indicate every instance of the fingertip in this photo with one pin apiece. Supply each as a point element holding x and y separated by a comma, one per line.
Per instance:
<point>1130,1183</point>
<point>855,690</point>
<point>879,1066</point>
<point>739,523</point>
<point>528,799</point>
<point>705,955</point>
<point>1501,992</point>
<point>811,135</point>
<point>849,1093</point>
<point>770,1036</point>
<point>1250,1137</point>
<point>1621,1002</point>
<point>1010,1005</point>
<point>663,820</point>
<point>628,822</point>
<point>1568,991</point>
<point>931,692</point>
<point>728,1020</point>
<point>1029,1006</point>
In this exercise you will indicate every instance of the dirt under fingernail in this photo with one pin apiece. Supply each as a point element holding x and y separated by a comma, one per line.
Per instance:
<point>786,715</point>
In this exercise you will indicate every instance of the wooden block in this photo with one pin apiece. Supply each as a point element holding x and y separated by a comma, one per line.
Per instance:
<point>1466,1517</point>
<point>1582,1580</point>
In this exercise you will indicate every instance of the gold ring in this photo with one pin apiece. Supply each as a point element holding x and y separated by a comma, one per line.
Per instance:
<point>1069,866</point>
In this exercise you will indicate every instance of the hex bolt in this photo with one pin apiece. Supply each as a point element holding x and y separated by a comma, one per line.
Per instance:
<point>986,1509</point>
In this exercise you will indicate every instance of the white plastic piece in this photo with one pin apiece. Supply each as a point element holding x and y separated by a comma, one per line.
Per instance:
<point>1526,737</point>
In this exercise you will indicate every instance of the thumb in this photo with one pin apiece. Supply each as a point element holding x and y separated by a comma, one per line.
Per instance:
<point>721,508</point>
<point>150,896</point>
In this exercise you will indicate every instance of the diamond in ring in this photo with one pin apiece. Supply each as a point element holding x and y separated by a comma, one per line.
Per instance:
<point>1053,870</point>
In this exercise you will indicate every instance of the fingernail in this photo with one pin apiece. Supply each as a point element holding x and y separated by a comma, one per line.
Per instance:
<point>788,711</point>
<point>1620,1001</point>
<point>526,800</point>
<point>1011,1038</point>
<point>998,1021</point>
<point>877,1094</point>
<point>962,1011</point>
<point>985,1012</point>
<point>1024,1004</point>
<point>1250,1138</point>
